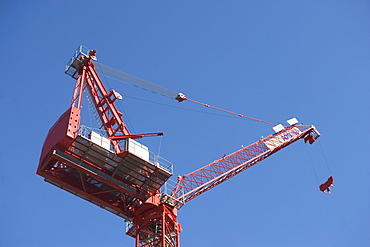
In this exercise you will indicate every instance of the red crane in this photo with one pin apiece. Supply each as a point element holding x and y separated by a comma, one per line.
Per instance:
<point>118,174</point>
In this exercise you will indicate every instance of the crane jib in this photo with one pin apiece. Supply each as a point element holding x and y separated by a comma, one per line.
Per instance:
<point>193,184</point>
<point>283,137</point>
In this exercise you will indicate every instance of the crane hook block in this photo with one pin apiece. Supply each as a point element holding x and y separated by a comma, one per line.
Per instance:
<point>325,187</point>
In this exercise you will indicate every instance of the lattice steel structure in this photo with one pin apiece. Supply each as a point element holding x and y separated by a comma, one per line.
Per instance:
<point>118,174</point>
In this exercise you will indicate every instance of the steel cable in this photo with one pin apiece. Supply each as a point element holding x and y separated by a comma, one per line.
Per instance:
<point>121,76</point>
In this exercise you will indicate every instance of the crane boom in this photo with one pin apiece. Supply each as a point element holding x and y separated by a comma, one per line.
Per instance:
<point>199,181</point>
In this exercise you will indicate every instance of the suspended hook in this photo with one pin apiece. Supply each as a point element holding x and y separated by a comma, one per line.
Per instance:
<point>325,187</point>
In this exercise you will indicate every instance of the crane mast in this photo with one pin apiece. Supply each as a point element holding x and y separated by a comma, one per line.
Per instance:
<point>118,174</point>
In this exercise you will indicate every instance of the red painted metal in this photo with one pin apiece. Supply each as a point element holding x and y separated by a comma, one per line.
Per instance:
<point>116,180</point>
<point>135,136</point>
<point>197,182</point>
<point>325,187</point>
<point>124,183</point>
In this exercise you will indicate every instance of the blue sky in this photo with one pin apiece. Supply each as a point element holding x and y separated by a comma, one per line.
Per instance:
<point>271,60</point>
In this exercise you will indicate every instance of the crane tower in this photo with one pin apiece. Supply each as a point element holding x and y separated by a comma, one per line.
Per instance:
<point>115,172</point>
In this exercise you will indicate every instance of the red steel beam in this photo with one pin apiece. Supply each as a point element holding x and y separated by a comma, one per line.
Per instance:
<point>195,183</point>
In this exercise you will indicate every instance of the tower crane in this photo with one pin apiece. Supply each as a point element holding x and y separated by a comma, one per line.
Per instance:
<point>120,175</point>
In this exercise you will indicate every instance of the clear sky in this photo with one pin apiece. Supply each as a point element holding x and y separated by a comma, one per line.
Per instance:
<point>271,60</point>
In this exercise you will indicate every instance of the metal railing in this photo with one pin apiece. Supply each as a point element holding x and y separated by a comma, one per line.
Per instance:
<point>153,158</point>
<point>75,62</point>
<point>166,191</point>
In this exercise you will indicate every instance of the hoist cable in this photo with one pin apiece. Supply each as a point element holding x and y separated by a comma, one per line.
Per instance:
<point>323,153</point>
<point>160,145</point>
<point>313,167</point>
<point>178,107</point>
<point>237,114</point>
<point>121,76</point>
